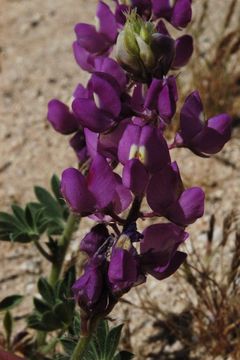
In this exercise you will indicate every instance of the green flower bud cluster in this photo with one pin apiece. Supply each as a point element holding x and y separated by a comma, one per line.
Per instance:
<point>134,46</point>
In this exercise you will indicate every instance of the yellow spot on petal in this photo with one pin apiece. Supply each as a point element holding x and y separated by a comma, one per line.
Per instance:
<point>124,242</point>
<point>142,154</point>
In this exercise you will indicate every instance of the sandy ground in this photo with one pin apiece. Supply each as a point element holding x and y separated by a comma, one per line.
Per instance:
<point>37,65</point>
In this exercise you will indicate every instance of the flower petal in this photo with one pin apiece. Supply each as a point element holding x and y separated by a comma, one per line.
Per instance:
<point>173,266</point>
<point>183,51</point>
<point>167,99</point>
<point>89,39</point>
<point>101,182</point>
<point>214,135</point>
<point>111,67</point>
<point>75,191</point>
<point>107,21</point>
<point>90,116</point>
<point>164,188</point>
<point>106,93</point>
<point>191,117</point>
<point>61,118</point>
<point>122,197</point>
<point>83,58</point>
<point>188,208</point>
<point>135,177</point>
<point>182,13</point>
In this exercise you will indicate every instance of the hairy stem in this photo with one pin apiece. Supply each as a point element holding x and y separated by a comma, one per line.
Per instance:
<point>81,347</point>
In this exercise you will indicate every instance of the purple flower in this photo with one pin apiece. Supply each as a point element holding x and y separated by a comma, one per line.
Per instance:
<point>183,47</point>
<point>98,40</point>
<point>123,270</point>
<point>203,138</point>
<point>145,143</point>
<point>124,267</point>
<point>158,248</point>
<point>95,192</point>
<point>91,242</point>
<point>61,118</point>
<point>78,143</point>
<point>179,14</point>
<point>98,111</point>
<point>89,290</point>
<point>162,95</point>
<point>163,47</point>
<point>167,197</point>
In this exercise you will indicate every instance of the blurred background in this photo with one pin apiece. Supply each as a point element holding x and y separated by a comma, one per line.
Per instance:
<point>196,313</point>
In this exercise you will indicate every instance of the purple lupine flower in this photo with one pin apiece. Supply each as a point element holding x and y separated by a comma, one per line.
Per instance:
<point>203,138</point>
<point>123,270</point>
<point>158,249</point>
<point>183,47</point>
<point>124,267</point>
<point>98,111</point>
<point>179,14</point>
<point>162,95</point>
<point>98,40</point>
<point>167,197</point>
<point>89,290</point>
<point>61,118</point>
<point>86,195</point>
<point>94,239</point>
<point>163,47</point>
<point>145,143</point>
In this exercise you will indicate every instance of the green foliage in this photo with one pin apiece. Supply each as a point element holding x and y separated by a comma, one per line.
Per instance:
<point>10,302</point>
<point>48,214</point>
<point>103,345</point>
<point>8,325</point>
<point>55,310</point>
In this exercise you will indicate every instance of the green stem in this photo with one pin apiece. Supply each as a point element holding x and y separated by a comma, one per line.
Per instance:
<point>63,244</point>
<point>81,347</point>
<point>57,265</point>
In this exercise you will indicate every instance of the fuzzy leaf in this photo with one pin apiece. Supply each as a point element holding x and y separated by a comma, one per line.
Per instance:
<point>112,342</point>
<point>8,324</point>
<point>46,291</point>
<point>10,302</point>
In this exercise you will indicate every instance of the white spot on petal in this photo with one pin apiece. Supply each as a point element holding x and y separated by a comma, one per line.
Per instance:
<point>133,153</point>
<point>97,100</point>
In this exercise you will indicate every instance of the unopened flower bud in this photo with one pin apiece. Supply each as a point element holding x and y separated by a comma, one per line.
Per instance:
<point>142,51</point>
<point>133,50</point>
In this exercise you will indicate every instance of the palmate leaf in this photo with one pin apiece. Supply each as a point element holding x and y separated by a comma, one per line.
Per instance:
<point>22,225</point>
<point>55,309</point>
<point>103,345</point>
<point>48,214</point>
